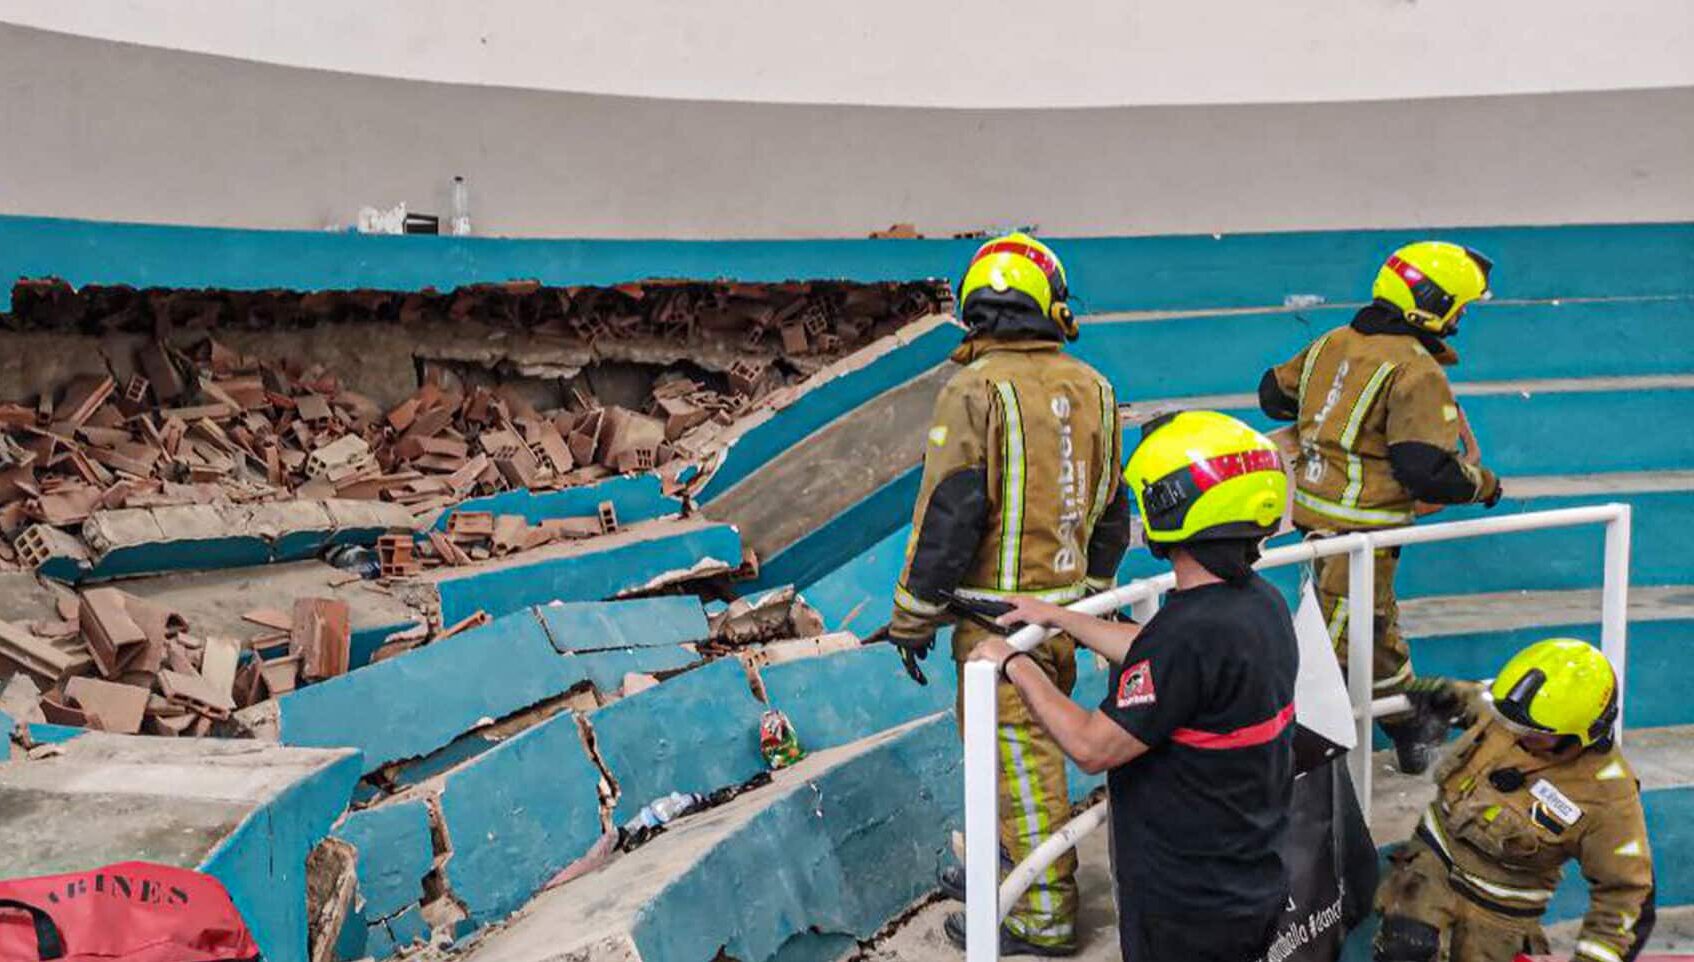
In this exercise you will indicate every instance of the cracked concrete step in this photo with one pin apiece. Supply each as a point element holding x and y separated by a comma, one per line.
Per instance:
<point>243,811</point>
<point>814,862</point>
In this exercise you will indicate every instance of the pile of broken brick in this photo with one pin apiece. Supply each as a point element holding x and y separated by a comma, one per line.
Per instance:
<point>120,663</point>
<point>195,421</point>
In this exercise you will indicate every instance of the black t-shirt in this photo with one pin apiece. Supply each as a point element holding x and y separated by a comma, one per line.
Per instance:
<point>1198,820</point>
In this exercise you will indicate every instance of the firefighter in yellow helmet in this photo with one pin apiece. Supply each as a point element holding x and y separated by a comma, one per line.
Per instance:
<point>1379,435</point>
<point>1534,782</point>
<point>1020,495</point>
<point>1196,728</point>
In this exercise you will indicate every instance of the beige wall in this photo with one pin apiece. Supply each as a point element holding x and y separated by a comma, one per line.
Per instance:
<point>974,53</point>
<point>101,130</point>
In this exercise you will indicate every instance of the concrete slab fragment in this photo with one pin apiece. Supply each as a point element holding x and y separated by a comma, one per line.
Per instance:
<point>244,811</point>
<point>427,697</point>
<point>395,854</point>
<point>825,846</point>
<point>517,814</point>
<point>637,557</point>
<point>697,732</point>
<point>635,623</point>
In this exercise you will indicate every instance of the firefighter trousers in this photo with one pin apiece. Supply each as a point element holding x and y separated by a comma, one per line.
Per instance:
<point>1425,919</point>
<point>1391,661</point>
<point>1034,795</point>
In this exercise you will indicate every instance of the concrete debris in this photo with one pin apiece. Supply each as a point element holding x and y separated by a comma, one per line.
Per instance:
<point>197,421</point>
<point>779,613</point>
<point>320,636</point>
<point>331,881</point>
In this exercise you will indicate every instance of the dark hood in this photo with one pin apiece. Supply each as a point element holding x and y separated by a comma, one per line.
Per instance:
<point>1385,319</point>
<point>1007,316</point>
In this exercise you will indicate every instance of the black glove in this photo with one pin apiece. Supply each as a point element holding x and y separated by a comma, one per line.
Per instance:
<point>919,645</point>
<point>1435,696</point>
<point>1495,495</point>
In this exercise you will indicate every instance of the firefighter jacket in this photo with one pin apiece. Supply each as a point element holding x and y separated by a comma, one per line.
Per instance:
<point>1377,424</point>
<point>1505,821</point>
<point>1021,491</point>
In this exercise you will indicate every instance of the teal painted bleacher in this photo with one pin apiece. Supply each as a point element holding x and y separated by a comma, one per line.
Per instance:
<point>1225,354</point>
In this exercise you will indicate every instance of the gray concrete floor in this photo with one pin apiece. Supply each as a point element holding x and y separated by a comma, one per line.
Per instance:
<point>1660,756</point>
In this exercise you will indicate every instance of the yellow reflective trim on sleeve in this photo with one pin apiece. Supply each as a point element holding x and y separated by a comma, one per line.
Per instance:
<point>1339,512</point>
<point>914,604</point>
<point>1011,490</point>
<point>1311,360</point>
<point>1108,470</point>
<point>1629,849</point>
<point>1058,596</point>
<point>938,435</point>
<point>1350,434</point>
<point>1596,950</point>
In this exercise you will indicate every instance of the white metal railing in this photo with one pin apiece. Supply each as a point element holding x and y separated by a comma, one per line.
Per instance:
<point>982,861</point>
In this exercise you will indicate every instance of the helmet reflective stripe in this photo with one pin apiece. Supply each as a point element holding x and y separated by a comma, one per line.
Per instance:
<point>1042,257</point>
<point>1350,435</point>
<point>1011,489</point>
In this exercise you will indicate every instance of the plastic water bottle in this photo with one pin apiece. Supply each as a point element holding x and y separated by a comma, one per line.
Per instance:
<point>461,208</point>
<point>663,810</point>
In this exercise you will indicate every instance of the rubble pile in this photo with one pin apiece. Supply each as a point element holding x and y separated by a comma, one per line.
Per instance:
<point>190,419</point>
<point>116,662</point>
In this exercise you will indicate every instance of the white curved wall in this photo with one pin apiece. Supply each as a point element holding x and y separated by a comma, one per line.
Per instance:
<point>111,131</point>
<point>974,54</point>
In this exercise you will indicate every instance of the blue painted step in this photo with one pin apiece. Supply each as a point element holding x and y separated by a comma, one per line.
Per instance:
<point>1657,672</point>
<point>1550,560</point>
<point>1225,354</point>
<point>586,571</point>
<point>1558,432</point>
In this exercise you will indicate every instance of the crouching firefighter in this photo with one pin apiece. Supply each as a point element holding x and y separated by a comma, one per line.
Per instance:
<point>1020,496</point>
<point>1379,432</point>
<point>1534,782</point>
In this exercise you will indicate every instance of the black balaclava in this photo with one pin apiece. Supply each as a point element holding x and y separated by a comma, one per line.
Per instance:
<point>1228,558</point>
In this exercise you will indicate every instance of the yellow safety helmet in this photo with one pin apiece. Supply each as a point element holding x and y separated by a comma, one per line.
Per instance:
<point>1022,268</point>
<point>1560,686</point>
<point>1201,475</point>
<point>1431,282</point>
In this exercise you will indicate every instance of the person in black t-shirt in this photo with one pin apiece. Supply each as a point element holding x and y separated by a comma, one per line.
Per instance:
<point>1197,727</point>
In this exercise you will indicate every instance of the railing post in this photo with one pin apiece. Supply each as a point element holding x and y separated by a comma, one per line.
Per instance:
<point>1614,604</point>
<point>1144,610</point>
<point>1361,644</point>
<point>982,816</point>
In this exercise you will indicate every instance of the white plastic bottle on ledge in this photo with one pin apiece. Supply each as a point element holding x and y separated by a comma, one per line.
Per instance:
<point>461,224</point>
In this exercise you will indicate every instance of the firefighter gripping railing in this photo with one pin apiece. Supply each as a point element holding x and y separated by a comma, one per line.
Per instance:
<point>983,915</point>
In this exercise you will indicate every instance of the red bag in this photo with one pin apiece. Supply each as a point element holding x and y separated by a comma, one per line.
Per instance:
<point>129,912</point>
